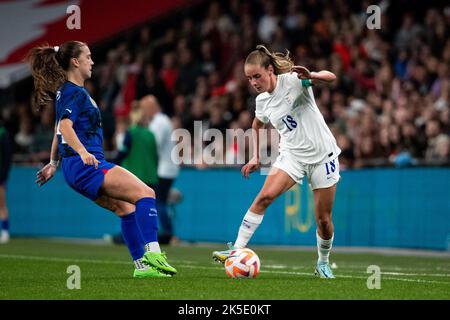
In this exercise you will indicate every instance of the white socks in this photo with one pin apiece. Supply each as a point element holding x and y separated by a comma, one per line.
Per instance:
<point>324,248</point>
<point>248,227</point>
<point>153,247</point>
<point>139,264</point>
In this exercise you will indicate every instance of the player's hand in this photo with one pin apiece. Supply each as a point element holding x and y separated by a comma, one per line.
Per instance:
<point>302,72</point>
<point>45,174</point>
<point>89,159</point>
<point>251,166</point>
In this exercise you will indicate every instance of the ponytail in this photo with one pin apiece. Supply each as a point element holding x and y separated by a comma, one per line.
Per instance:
<point>282,63</point>
<point>49,66</point>
<point>47,74</point>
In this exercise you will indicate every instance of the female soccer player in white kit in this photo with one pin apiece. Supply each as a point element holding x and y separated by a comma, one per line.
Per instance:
<point>307,146</point>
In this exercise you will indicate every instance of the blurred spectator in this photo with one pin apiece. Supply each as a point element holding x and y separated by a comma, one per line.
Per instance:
<point>442,148</point>
<point>43,137</point>
<point>437,141</point>
<point>268,22</point>
<point>138,151</point>
<point>407,35</point>
<point>24,138</point>
<point>149,83</point>
<point>207,57</point>
<point>167,171</point>
<point>169,72</point>
<point>189,71</point>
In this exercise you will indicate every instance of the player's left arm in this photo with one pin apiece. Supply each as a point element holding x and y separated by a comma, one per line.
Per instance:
<point>315,77</point>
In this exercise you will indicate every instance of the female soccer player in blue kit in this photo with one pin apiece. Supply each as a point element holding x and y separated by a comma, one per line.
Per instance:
<point>78,139</point>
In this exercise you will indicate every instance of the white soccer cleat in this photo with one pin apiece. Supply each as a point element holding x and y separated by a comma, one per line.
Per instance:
<point>221,256</point>
<point>323,270</point>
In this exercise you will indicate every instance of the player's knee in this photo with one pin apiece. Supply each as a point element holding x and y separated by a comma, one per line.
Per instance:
<point>265,199</point>
<point>116,209</point>
<point>147,192</point>
<point>124,209</point>
<point>323,222</point>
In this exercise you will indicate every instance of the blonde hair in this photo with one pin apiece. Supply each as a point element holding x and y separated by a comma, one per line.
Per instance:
<point>136,113</point>
<point>281,62</point>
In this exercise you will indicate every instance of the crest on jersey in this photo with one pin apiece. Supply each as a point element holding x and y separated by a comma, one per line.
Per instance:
<point>289,99</point>
<point>93,102</point>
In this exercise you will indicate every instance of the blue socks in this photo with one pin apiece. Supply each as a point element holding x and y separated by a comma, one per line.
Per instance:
<point>132,236</point>
<point>5,225</point>
<point>147,219</point>
<point>140,229</point>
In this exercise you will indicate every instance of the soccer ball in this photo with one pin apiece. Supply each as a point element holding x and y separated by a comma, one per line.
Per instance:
<point>242,263</point>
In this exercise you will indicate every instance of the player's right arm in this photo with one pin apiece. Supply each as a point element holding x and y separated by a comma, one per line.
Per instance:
<point>253,164</point>
<point>47,172</point>
<point>70,137</point>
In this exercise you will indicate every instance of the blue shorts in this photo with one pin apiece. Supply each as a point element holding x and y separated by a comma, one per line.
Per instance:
<point>85,179</point>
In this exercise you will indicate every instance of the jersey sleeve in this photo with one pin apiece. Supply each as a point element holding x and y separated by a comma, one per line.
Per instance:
<point>297,83</point>
<point>69,104</point>
<point>259,112</point>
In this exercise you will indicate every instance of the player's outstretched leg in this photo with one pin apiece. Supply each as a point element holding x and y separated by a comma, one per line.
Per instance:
<point>131,236</point>
<point>122,185</point>
<point>277,182</point>
<point>135,245</point>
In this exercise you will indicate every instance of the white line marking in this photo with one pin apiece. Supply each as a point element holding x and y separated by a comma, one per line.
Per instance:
<point>191,264</point>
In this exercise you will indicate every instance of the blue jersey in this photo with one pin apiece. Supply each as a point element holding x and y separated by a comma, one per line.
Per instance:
<point>73,102</point>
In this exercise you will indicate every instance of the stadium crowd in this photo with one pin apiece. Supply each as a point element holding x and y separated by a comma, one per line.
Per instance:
<point>388,106</point>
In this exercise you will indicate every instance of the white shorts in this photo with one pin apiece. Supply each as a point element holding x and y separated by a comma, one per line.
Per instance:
<point>323,175</point>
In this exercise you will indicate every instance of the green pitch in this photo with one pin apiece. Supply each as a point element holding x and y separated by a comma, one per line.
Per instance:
<point>37,269</point>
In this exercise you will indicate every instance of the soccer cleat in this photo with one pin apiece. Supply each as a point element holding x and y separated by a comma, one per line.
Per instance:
<point>150,272</point>
<point>323,270</point>
<point>158,261</point>
<point>221,256</point>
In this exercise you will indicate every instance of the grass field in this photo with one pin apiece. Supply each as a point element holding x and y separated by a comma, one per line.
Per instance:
<point>37,269</point>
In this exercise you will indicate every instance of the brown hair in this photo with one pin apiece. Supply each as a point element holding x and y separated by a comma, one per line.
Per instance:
<point>281,62</point>
<point>49,66</point>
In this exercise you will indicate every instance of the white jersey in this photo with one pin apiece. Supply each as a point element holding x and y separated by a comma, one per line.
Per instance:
<point>292,110</point>
<point>161,126</point>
